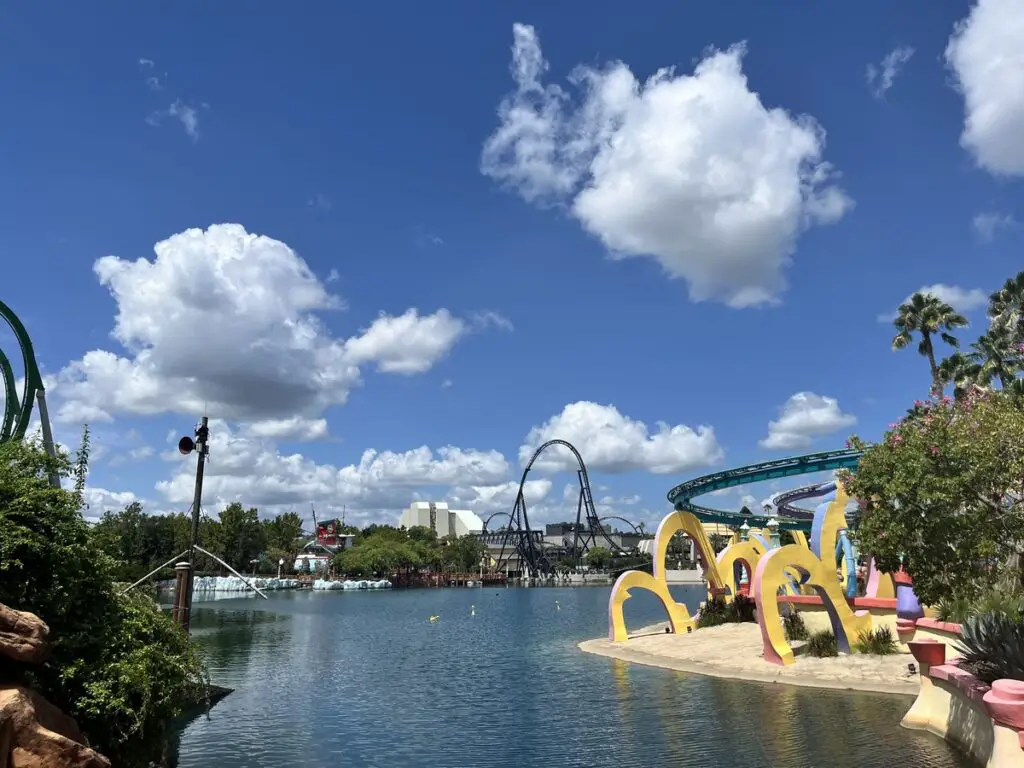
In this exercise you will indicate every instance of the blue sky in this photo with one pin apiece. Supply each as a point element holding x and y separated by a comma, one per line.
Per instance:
<point>589,253</point>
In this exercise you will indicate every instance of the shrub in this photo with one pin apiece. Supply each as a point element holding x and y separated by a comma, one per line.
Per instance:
<point>878,642</point>
<point>992,646</point>
<point>712,613</point>
<point>741,610</point>
<point>120,667</point>
<point>822,644</point>
<point>794,627</point>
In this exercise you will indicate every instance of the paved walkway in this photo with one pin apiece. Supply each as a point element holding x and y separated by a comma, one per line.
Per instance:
<point>735,651</point>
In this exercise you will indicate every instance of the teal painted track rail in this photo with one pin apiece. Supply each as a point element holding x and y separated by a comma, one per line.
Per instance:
<point>681,497</point>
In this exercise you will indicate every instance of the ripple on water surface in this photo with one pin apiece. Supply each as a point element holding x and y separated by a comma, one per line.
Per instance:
<point>363,679</point>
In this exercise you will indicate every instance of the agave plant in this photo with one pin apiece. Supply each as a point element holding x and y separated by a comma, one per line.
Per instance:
<point>992,646</point>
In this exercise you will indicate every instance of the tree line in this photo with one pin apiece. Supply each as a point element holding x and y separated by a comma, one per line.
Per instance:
<point>139,542</point>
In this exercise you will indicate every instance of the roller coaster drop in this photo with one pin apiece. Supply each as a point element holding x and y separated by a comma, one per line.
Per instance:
<point>519,539</point>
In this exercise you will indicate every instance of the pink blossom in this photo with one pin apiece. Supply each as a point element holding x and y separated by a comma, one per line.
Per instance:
<point>935,451</point>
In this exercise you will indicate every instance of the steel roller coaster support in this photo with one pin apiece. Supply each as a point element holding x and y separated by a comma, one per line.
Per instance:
<point>521,540</point>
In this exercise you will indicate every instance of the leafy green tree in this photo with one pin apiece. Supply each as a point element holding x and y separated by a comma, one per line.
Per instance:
<point>930,317</point>
<point>122,669</point>
<point>945,490</point>
<point>241,537</point>
<point>464,553</point>
<point>598,557</point>
<point>284,533</point>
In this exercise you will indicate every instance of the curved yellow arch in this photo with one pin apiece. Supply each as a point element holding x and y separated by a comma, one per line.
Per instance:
<point>678,614</point>
<point>749,552</point>
<point>820,574</point>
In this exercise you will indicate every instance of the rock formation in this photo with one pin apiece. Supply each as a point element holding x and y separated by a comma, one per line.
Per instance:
<point>33,732</point>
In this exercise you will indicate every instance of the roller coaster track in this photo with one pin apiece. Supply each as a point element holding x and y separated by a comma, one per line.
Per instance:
<point>18,414</point>
<point>681,497</point>
<point>528,544</point>
<point>782,503</point>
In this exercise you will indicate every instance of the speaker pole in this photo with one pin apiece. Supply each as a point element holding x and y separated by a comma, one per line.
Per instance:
<point>186,571</point>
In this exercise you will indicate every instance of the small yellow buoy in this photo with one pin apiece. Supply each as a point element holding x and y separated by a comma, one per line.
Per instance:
<point>433,619</point>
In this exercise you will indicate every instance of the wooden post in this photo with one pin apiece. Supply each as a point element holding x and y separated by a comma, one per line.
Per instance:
<point>182,611</point>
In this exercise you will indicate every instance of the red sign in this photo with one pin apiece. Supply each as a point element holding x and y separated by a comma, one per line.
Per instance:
<point>327,533</point>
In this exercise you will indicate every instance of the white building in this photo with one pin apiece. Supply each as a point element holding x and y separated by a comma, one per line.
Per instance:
<point>437,517</point>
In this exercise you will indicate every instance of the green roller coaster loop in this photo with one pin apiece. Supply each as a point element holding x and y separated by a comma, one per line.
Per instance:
<point>18,414</point>
<point>681,497</point>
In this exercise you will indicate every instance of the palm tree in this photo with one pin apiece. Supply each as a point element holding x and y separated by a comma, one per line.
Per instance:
<point>928,315</point>
<point>961,371</point>
<point>1006,308</point>
<point>996,356</point>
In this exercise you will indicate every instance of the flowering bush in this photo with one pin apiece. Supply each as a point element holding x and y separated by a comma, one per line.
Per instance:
<point>944,491</point>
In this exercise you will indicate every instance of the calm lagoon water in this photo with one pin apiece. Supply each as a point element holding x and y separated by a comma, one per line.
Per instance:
<point>363,679</point>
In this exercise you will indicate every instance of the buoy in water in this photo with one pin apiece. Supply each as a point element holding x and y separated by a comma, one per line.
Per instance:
<point>433,619</point>
<point>472,610</point>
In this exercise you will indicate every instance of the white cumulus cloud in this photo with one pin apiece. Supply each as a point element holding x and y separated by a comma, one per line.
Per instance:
<point>408,343</point>
<point>228,322</point>
<point>252,470</point>
<point>986,55</point>
<point>612,442</point>
<point>804,417</point>
<point>691,170</point>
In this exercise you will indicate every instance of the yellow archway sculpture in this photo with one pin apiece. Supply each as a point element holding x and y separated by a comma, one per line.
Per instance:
<point>747,552</point>
<point>656,582</point>
<point>821,576</point>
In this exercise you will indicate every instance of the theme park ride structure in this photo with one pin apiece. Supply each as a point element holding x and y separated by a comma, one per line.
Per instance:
<point>18,411</point>
<point>528,545</point>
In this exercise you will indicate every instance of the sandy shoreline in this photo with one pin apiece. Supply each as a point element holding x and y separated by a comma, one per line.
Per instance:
<point>733,651</point>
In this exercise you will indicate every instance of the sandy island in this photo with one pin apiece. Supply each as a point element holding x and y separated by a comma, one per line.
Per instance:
<point>734,651</point>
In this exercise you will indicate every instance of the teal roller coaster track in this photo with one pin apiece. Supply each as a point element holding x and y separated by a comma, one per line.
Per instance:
<point>681,497</point>
<point>18,411</point>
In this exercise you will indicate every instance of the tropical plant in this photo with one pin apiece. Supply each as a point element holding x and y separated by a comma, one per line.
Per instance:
<point>878,642</point>
<point>954,609</point>
<point>794,627</point>
<point>822,644</point>
<point>992,646</point>
<point>1006,308</point>
<point>929,316</point>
